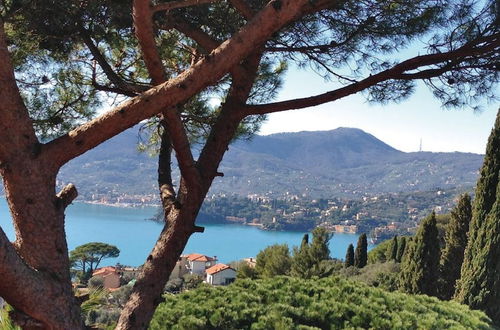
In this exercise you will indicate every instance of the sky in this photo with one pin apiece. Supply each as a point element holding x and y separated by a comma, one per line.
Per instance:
<point>401,125</point>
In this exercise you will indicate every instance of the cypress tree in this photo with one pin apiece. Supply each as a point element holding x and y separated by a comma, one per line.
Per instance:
<point>420,266</point>
<point>305,240</point>
<point>401,249</point>
<point>361,253</point>
<point>392,251</point>
<point>479,285</point>
<point>349,256</point>
<point>455,243</point>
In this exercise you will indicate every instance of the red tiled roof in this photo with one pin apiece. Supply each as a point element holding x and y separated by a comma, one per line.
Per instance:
<point>217,268</point>
<point>104,271</point>
<point>199,257</point>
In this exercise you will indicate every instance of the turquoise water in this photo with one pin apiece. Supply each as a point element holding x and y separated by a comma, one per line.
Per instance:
<point>134,236</point>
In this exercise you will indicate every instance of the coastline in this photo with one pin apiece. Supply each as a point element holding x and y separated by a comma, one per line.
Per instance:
<point>120,205</point>
<point>259,226</point>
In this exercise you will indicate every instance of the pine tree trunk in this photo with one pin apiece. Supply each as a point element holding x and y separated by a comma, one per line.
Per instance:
<point>149,286</point>
<point>38,216</point>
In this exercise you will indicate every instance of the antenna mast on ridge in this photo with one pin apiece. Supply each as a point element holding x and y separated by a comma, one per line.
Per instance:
<point>420,149</point>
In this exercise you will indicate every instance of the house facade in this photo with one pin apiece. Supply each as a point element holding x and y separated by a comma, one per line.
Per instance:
<point>194,263</point>
<point>198,263</point>
<point>220,274</point>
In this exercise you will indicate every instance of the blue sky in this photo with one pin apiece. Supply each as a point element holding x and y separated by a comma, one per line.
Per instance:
<point>400,125</point>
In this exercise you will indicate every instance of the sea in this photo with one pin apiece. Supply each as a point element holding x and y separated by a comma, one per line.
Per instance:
<point>132,231</point>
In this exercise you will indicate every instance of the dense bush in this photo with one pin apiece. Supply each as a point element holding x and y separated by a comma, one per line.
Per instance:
<point>96,282</point>
<point>292,303</point>
<point>382,275</point>
<point>379,252</point>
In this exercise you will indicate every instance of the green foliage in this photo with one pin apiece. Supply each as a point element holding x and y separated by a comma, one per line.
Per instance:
<point>87,257</point>
<point>452,255</point>
<point>442,223</point>
<point>273,260</point>
<point>379,252</point>
<point>6,322</point>
<point>96,282</point>
<point>246,271</point>
<point>479,285</point>
<point>308,259</point>
<point>174,285</point>
<point>349,256</point>
<point>392,251</point>
<point>243,269</point>
<point>293,303</point>
<point>382,275</point>
<point>319,246</point>
<point>102,309</point>
<point>120,296</point>
<point>192,281</point>
<point>361,252</point>
<point>401,248</point>
<point>90,307</point>
<point>420,265</point>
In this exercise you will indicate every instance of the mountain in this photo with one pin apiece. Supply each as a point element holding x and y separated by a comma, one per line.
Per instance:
<point>345,162</point>
<point>321,151</point>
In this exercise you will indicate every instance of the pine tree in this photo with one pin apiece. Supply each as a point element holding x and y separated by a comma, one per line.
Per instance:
<point>420,266</point>
<point>479,285</point>
<point>273,260</point>
<point>361,253</point>
<point>401,248</point>
<point>349,256</point>
<point>301,261</point>
<point>319,245</point>
<point>392,251</point>
<point>455,243</point>
<point>306,261</point>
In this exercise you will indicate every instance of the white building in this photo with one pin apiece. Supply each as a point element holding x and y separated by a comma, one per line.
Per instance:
<point>220,274</point>
<point>198,263</point>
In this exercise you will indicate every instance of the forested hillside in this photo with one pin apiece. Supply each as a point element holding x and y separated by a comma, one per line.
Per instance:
<point>345,162</point>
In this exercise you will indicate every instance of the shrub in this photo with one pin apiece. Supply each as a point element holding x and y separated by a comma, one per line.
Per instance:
<point>96,282</point>
<point>292,303</point>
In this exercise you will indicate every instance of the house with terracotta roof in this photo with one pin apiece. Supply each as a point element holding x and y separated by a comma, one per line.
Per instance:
<point>198,263</point>
<point>110,275</point>
<point>220,274</point>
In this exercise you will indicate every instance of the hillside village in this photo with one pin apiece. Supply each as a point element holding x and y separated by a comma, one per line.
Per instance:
<point>382,216</point>
<point>205,268</point>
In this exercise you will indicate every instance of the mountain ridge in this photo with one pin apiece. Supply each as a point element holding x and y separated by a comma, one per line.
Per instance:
<point>344,162</point>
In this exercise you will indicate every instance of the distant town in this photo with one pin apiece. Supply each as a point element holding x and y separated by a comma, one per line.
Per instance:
<point>381,216</point>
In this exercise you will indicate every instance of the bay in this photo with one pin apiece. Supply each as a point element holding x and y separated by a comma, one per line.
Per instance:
<point>134,235</point>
